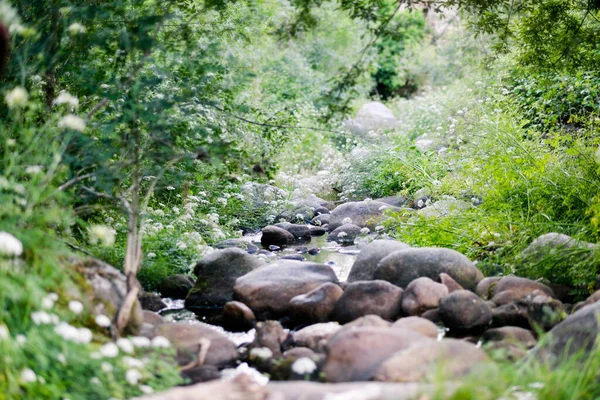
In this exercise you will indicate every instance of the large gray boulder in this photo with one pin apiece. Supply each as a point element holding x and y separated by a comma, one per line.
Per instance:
<point>316,305</point>
<point>269,289</point>
<point>344,234</point>
<point>464,311</point>
<point>300,231</point>
<point>372,116</point>
<point>421,295</point>
<point>362,298</point>
<point>216,274</point>
<point>362,213</point>
<point>366,262</point>
<point>276,236</point>
<point>176,286</point>
<point>404,266</point>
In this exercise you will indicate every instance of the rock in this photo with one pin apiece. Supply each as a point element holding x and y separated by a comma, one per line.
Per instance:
<point>296,257</point>
<point>270,334</point>
<point>108,290</point>
<point>300,232</point>
<point>368,321</point>
<point>513,314</point>
<point>578,333</point>
<point>356,354</point>
<point>315,336</point>
<point>521,287</point>
<point>421,295</point>
<point>368,297</point>
<point>316,305</point>
<point>450,283</point>
<point>554,243</point>
<point>365,264</point>
<point>186,339</point>
<point>204,373</point>
<point>396,201</point>
<point>361,213</point>
<point>317,231</point>
<point>152,318</point>
<point>444,208</point>
<point>372,116</point>
<point>309,200</point>
<point>321,210</point>
<point>269,289</point>
<point>423,360</point>
<point>320,220</point>
<point>545,312</point>
<point>432,315</point>
<point>176,286</point>
<point>510,334</point>
<point>464,311</point>
<point>344,234</point>
<point>216,274</point>
<point>404,266</point>
<point>484,287</point>
<point>273,235</point>
<point>417,324</point>
<point>298,352</point>
<point>243,244</point>
<point>238,317</point>
<point>151,301</point>
<point>506,351</point>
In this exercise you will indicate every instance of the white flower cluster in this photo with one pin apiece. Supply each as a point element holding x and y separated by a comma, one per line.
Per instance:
<point>9,245</point>
<point>73,334</point>
<point>73,122</point>
<point>76,28</point>
<point>100,234</point>
<point>17,98</point>
<point>66,99</point>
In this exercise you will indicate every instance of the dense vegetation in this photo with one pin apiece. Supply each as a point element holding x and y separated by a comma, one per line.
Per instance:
<point>130,127</point>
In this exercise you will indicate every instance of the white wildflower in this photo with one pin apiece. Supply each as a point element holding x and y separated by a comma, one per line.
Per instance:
<point>33,169</point>
<point>41,318</point>
<point>4,333</point>
<point>76,307</point>
<point>160,341</point>
<point>140,341</point>
<point>125,345</point>
<point>103,321</point>
<point>170,188</point>
<point>84,335</point>
<point>146,389</point>
<point>10,142</point>
<point>342,235</point>
<point>379,228</point>
<point>299,216</point>
<point>131,362</point>
<point>95,381</point>
<point>17,98</point>
<point>133,376</point>
<point>28,376</point>
<point>10,245</point>
<point>159,213</point>
<point>106,367</point>
<point>61,357</point>
<point>67,99</point>
<point>21,339</point>
<point>262,353</point>
<point>73,122</point>
<point>365,231</point>
<point>304,366</point>
<point>151,255</point>
<point>346,221</point>
<point>176,210</point>
<point>109,350</point>
<point>181,245</point>
<point>47,302</point>
<point>76,28</point>
<point>100,234</point>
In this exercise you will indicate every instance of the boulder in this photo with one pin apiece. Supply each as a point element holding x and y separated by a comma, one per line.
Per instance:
<point>510,334</point>
<point>544,312</point>
<point>269,289</point>
<point>417,324</point>
<point>243,244</point>
<point>521,287</point>
<point>108,290</point>
<point>372,116</point>
<point>186,338</point>
<point>554,243</point>
<point>368,321</point>
<point>404,266</point>
<point>361,213</point>
<point>176,286</point>
<point>317,231</point>
<point>273,235</point>
<point>344,234</point>
<point>238,317</point>
<point>203,373</point>
<point>484,287</point>
<point>368,297</point>
<point>396,201</point>
<point>151,301</point>
<point>315,336</point>
<point>271,335</point>
<point>216,274</point>
<point>427,359</point>
<point>421,295</point>
<point>450,283</point>
<point>356,354</point>
<point>316,305</point>
<point>300,231</point>
<point>464,311</point>
<point>513,314</point>
<point>366,262</point>
<point>152,318</point>
<point>309,200</point>
<point>320,220</point>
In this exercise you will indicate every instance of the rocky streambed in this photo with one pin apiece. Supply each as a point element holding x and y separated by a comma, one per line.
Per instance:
<point>333,303</point>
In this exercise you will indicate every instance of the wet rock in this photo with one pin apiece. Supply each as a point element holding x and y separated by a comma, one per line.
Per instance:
<point>423,360</point>
<point>320,220</point>
<point>417,324</point>
<point>344,234</point>
<point>368,297</point>
<point>300,232</point>
<point>450,283</point>
<point>176,286</point>
<point>204,373</point>
<point>151,301</point>
<point>238,317</point>
<point>243,244</point>
<point>273,235</point>
<point>317,231</point>
<point>361,213</point>
<point>314,251</point>
<point>152,318</point>
<point>368,321</point>
<point>356,354</point>
<point>404,266</point>
<point>269,289</point>
<point>421,295</point>
<point>270,334</point>
<point>186,338</point>
<point>316,305</point>
<point>315,336</point>
<point>216,274</point>
<point>545,312</point>
<point>108,290</point>
<point>464,311</point>
<point>321,210</point>
<point>366,263</point>
<point>510,334</point>
<point>296,257</point>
